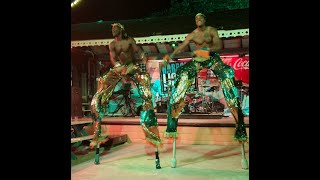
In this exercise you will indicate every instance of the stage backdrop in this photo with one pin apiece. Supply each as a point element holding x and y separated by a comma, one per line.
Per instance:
<point>168,74</point>
<point>240,66</point>
<point>153,69</point>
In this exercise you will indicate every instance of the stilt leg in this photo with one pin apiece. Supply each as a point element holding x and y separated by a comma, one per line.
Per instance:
<point>157,159</point>
<point>97,156</point>
<point>174,160</point>
<point>244,162</point>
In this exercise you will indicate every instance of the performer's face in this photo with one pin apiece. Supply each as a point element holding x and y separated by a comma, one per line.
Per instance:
<point>116,30</point>
<point>200,21</point>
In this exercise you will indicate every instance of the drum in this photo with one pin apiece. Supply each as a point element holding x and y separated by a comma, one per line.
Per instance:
<point>218,106</point>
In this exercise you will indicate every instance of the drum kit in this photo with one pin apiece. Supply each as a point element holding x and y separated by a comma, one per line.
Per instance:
<point>196,102</point>
<point>202,103</point>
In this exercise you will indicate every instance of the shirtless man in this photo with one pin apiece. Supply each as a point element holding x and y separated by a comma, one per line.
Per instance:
<point>207,40</point>
<point>125,65</point>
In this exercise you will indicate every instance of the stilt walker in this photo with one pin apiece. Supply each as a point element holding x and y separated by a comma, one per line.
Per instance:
<point>206,39</point>
<point>185,76</point>
<point>125,65</point>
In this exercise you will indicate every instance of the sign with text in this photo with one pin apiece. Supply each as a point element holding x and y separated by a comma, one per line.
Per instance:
<point>168,75</point>
<point>240,66</point>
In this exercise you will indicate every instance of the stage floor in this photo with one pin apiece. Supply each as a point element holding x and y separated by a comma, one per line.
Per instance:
<point>200,120</point>
<point>136,161</point>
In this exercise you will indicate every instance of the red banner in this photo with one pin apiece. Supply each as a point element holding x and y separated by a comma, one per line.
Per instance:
<point>240,66</point>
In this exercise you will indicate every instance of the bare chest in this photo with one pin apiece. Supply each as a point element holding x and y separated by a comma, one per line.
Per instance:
<point>123,46</point>
<point>202,38</point>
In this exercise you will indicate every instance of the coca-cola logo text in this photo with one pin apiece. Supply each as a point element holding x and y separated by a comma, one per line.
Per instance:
<point>241,63</point>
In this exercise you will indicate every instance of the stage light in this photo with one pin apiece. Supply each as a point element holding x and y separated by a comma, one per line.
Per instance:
<point>74,3</point>
<point>174,45</point>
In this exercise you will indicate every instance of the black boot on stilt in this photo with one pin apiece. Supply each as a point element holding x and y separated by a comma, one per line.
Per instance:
<point>157,161</point>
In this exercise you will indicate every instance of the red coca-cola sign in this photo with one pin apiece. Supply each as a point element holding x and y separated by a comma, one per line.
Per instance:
<point>240,66</point>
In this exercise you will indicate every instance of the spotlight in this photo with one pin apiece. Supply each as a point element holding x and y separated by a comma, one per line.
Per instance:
<point>174,45</point>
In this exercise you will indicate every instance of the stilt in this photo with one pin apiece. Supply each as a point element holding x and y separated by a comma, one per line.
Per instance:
<point>97,156</point>
<point>244,162</point>
<point>174,160</point>
<point>157,159</point>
